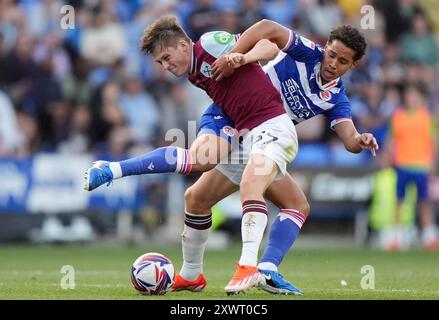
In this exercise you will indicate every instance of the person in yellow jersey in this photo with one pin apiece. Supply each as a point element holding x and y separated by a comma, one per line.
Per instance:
<point>412,149</point>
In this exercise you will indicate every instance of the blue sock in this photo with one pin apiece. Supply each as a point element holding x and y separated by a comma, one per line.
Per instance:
<point>283,234</point>
<point>161,160</point>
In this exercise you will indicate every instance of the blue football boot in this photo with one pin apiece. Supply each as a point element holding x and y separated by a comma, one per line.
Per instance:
<point>274,282</point>
<point>97,175</point>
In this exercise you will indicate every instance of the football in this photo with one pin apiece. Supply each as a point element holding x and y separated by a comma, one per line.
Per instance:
<point>152,274</point>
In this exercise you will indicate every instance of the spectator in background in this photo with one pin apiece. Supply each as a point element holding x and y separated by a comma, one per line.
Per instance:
<point>117,145</point>
<point>140,110</point>
<point>393,70</point>
<point>11,21</point>
<point>391,100</point>
<point>412,148</point>
<point>177,110</point>
<point>32,138</point>
<point>41,16</point>
<point>435,97</point>
<point>11,136</point>
<point>250,13</point>
<point>110,109</point>
<point>419,44</point>
<point>351,10</point>
<point>77,140</point>
<point>45,90</point>
<point>103,42</point>
<point>230,21</point>
<point>17,68</point>
<point>59,113</point>
<point>77,87</point>
<point>397,14</point>
<point>51,46</point>
<point>198,97</point>
<point>369,111</point>
<point>134,60</point>
<point>322,16</point>
<point>202,19</point>
<point>106,112</point>
<point>281,11</point>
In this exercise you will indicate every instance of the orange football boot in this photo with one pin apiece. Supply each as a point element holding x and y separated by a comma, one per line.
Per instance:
<point>196,285</point>
<point>244,278</point>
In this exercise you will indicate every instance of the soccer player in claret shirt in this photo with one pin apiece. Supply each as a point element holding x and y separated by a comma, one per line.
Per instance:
<point>284,193</point>
<point>255,106</point>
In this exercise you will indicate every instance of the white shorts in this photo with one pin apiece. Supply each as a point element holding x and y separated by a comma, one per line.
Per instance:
<point>276,139</point>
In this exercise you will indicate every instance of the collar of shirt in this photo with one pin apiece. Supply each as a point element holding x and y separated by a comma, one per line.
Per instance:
<point>193,67</point>
<point>325,86</point>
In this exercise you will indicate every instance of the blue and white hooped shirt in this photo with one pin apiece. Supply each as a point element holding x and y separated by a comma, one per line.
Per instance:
<point>295,72</point>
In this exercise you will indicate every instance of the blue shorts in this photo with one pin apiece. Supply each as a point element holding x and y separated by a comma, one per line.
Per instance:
<point>404,177</point>
<point>214,121</point>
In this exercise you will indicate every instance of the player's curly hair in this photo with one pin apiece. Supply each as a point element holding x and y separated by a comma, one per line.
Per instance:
<point>352,38</point>
<point>164,31</point>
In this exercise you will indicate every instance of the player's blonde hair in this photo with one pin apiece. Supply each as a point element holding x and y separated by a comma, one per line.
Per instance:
<point>165,31</point>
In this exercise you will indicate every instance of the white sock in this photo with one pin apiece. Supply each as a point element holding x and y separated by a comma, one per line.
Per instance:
<point>252,230</point>
<point>399,235</point>
<point>429,234</point>
<point>116,170</point>
<point>267,266</point>
<point>193,242</point>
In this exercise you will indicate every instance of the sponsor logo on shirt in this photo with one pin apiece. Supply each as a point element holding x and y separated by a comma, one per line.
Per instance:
<point>222,38</point>
<point>291,93</point>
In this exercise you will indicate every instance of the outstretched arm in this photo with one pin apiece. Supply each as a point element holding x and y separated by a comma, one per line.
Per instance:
<point>354,141</point>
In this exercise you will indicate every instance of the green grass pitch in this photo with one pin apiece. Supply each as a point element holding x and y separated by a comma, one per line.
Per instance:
<point>102,273</point>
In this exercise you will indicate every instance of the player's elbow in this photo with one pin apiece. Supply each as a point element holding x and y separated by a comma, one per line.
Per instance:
<point>267,28</point>
<point>270,30</point>
<point>265,24</point>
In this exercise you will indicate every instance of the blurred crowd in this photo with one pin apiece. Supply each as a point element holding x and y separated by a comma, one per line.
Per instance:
<point>86,88</point>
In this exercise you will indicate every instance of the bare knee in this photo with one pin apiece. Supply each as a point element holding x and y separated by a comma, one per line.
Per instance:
<point>297,202</point>
<point>304,208</point>
<point>246,192</point>
<point>301,205</point>
<point>195,202</point>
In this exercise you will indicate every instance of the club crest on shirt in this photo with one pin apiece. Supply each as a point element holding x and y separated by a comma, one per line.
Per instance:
<point>206,69</point>
<point>325,95</point>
